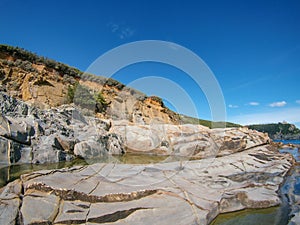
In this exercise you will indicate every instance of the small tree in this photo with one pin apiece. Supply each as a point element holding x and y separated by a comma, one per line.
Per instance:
<point>71,92</point>
<point>101,104</point>
<point>82,96</point>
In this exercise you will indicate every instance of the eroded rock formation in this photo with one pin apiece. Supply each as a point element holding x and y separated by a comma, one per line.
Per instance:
<point>32,135</point>
<point>183,193</point>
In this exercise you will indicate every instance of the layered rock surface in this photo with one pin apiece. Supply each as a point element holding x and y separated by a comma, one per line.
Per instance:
<point>188,192</point>
<point>31,135</point>
<point>187,140</point>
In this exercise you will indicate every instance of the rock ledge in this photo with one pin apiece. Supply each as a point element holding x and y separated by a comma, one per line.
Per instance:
<point>189,192</point>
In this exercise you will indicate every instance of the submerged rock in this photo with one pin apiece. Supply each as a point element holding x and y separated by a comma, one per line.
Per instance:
<point>183,193</point>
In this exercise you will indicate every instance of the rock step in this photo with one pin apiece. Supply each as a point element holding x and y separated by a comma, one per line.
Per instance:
<point>189,192</point>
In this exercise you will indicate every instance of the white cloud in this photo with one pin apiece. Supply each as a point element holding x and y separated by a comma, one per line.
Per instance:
<point>254,103</point>
<point>114,27</point>
<point>298,101</point>
<point>288,114</point>
<point>278,104</point>
<point>121,30</point>
<point>233,106</point>
<point>126,33</point>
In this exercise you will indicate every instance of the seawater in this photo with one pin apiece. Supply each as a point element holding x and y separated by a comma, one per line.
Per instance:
<point>275,215</point>
<point>294,142</point>
<point>12,172</point>
<point>251,217</point>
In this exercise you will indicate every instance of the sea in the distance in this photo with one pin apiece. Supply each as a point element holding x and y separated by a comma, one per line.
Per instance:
<point>295,142</point>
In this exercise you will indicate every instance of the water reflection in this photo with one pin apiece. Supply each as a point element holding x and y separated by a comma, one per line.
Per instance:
<point>278,215</point>
<point>274,215</point>
<point>251,217</point>
<point>12,172</point>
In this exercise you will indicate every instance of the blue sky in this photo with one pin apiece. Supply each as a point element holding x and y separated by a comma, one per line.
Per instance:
<point>252,47</point>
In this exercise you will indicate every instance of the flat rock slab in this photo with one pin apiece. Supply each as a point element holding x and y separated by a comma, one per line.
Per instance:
<point>183,193</point>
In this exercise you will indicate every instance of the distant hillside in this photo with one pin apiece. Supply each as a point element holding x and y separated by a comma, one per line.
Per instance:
<point>191,120</point>
<point>278,131</point>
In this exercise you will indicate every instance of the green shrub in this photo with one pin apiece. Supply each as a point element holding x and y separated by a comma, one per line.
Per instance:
<point>71,92</point>
<point>85,98</point>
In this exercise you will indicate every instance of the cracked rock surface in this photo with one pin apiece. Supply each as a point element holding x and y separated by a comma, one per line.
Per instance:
<point>32,135</point>
<point>189,192</point>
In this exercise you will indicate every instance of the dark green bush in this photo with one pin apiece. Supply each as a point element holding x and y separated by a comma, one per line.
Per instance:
<point>85,98</point>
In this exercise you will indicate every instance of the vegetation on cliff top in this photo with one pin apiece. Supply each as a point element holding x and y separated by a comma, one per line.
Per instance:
<point>25,58</point>
<point>278,130</point>
<point>191,120</point>
<point>22,54</point>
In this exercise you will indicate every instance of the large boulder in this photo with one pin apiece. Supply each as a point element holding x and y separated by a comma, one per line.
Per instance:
<point>16,129</point>
<point>187,140</point>
<point>12,152</point>
<point>99,147</point>
<point>12,107</point>
<point>90,149</point>
<point>231,140</point>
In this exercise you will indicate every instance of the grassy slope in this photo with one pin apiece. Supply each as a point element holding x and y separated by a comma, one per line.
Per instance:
<point>207,123</point>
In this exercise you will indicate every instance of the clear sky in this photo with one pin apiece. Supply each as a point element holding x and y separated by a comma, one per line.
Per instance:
<point>252,47</point>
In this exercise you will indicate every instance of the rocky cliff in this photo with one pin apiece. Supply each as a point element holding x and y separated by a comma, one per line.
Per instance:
<point>52,112</point>
<point>32,135</point>
<point>45,83</point>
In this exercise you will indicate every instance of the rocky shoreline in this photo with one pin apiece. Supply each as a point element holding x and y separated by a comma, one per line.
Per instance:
<point>233,169</point>
<point>32,135</point>
<point>190,192</point>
